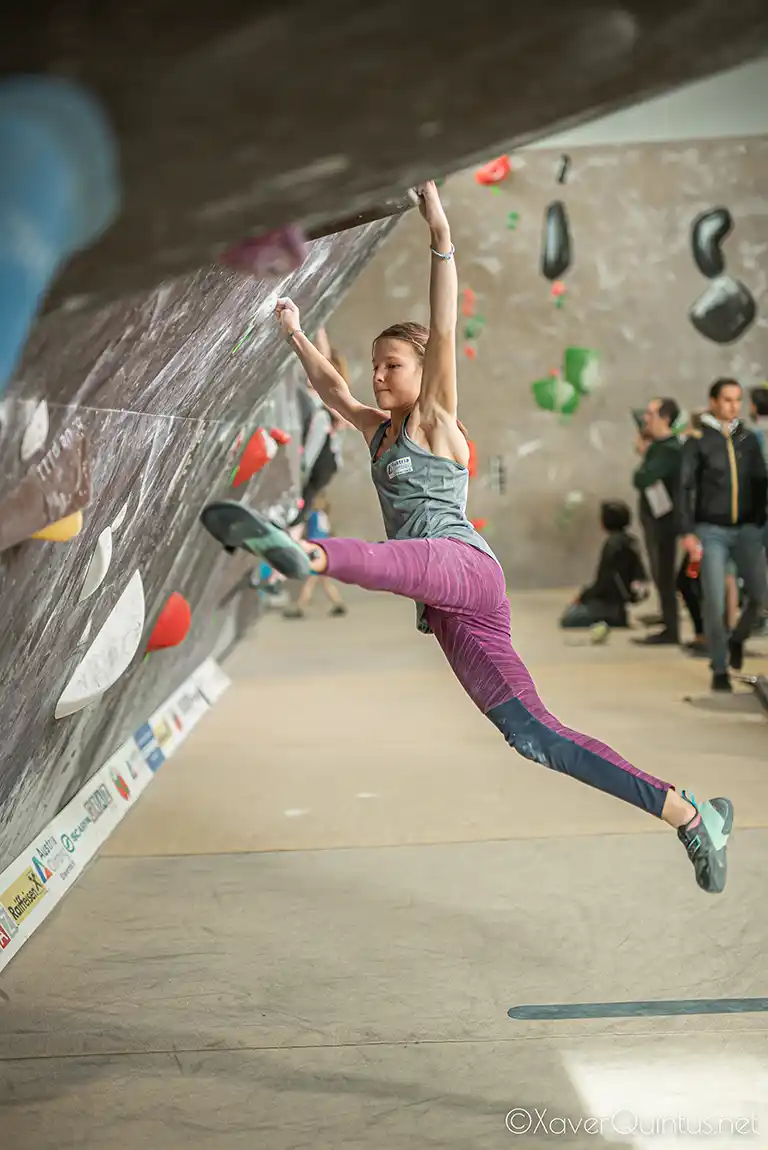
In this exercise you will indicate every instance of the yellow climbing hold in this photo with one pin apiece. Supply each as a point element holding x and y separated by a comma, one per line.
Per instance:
<point>63,530</point>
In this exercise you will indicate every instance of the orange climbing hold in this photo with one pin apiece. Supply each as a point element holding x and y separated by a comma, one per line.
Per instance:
<point>261,447</point>
<point>479,524</point>
<point>172,627</point>
<point>494,172</point>
<point>470,352</point>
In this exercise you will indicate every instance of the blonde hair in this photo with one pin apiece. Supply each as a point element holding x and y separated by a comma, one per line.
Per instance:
<point>417,336</point>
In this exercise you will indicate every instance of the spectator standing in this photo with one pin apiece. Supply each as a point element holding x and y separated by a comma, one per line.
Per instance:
<point>722,516</point>
<point>658,479</point>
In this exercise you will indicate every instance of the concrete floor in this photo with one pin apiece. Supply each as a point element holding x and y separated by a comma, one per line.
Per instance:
<point>310,930</point>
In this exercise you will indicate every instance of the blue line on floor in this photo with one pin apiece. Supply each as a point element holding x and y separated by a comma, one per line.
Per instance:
<point>639,1009</point>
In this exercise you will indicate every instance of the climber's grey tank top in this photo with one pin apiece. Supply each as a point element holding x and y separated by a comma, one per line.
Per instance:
<point>422,496</point>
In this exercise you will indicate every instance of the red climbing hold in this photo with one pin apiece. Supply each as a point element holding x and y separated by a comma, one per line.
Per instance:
<point>494,172</point>
<point>261,447</point>
<point>479,524</point>
<point>280,437</point>
<point>470,352</point>
<point>472,465</point>
<point>173,624</point>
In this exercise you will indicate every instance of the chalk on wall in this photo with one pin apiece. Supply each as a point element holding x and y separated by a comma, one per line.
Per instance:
<point>99,565</point>
<point>53,491</point>
<point>110,654</point>
<point>36,433</point>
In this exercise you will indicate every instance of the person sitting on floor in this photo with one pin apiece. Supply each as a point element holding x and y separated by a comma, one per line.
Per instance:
<point>621,575</point>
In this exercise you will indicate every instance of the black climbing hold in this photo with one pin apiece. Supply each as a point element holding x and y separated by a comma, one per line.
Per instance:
<point>565,166</point>
<point>556,249</point>
<point>725,311</point>
<point>708,232</point>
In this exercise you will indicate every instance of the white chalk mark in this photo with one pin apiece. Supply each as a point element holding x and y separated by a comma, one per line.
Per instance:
<point>595,438</point>
<point>530,447</point>
<point>296,812</point>
<point>574,498</point>
<point>36,433</point>
<point>99,565</point>
<point>110,654</point>
<point>402,291</point>
<point>367,795</point>
<point>489,263</point>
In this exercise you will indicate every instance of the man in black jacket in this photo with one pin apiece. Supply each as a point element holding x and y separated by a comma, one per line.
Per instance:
<point>724,497</point>
<point>658,480</point>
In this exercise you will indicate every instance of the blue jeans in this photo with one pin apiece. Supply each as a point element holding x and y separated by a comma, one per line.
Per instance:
<point>744,545</point>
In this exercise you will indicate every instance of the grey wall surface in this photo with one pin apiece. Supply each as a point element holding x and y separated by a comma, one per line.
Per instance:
<point>158,387</point>
<point>630,286</point>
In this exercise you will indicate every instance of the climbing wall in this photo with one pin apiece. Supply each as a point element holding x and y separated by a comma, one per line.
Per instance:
<point>590,282</point>
<point>120,424</point>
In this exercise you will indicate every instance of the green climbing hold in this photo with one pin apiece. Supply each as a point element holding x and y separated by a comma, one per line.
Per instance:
<point>555,394</point>
<point>512,220</point>
<point>582,369</point>
<point>474,327</point>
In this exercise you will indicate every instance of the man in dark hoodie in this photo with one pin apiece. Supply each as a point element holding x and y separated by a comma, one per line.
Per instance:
<point>658,480</point>
<point>724,495</point>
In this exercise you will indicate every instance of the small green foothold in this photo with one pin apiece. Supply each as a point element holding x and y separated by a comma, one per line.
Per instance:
<point>474,327</point>
<point>512,220</point>
<point>496,189</point>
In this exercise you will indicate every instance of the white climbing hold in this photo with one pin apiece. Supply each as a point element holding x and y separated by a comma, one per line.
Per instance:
<point>36,433</point>
<point>119,519</point>
<point>110,654</point>
<point>99,565</point>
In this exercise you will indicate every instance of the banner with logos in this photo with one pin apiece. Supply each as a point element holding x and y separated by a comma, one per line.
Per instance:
<point>42,874</point>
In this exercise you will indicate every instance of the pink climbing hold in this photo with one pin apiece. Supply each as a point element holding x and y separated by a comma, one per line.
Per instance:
<point>274,255</point>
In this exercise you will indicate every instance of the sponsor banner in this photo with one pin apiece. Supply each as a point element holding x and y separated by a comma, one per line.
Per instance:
<point>171,724</point>
<point>153,753</point>
<point>211,680</point>
<point>32,885</point>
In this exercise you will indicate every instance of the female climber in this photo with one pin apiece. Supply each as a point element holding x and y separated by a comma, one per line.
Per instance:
<point>434,556</point>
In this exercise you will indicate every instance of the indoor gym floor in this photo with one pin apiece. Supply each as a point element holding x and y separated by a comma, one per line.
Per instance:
<point>309,931</point>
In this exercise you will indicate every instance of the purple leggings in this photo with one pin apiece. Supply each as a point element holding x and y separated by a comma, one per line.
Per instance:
<point>468,611</point>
